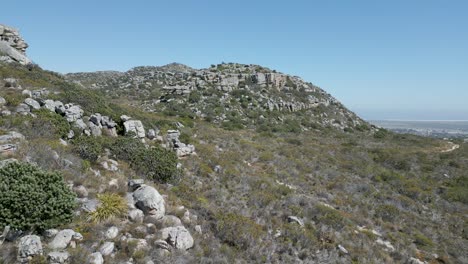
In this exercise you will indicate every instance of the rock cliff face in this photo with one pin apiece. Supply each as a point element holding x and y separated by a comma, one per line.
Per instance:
<point>227,88</point>
<point>12,46</point>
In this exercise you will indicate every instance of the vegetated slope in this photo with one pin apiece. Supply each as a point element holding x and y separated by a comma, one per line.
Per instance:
<point>233,95</point>
<point>295,187</point>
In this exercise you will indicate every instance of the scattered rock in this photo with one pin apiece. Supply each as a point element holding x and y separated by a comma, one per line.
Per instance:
<point>63,239</point>
<point>96,258</point>
<point>29,246</point>
<point>57,257</point>
<point>342,249</point>
<point>295,219</point>
<point>107,248</point>
<point>178,237</point>
<point>112,232</point>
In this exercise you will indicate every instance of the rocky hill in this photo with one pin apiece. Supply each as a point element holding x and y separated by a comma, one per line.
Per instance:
<point>231,164</point>
<point>235,95</point>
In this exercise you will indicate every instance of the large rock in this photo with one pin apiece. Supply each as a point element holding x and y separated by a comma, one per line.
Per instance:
<point>96,258</point>
<point>11,137</point>
<point>73,112</point>
<point>134,126</point>
<point>13,53</point>
<point>28,247</point>
<point>112,232</point>
<point>63,239</point>
<point>149,201</point>
<point>32,103</point>
<point>107,248</point>
<point>178,237</point>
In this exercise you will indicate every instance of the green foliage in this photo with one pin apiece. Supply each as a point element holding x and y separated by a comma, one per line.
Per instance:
<point>89,148</point>
<point>32,199</point>
<point>156,163</point>
<point>422,240</point>
<point>50,124</point>
<point>112,206</point>
<point>237,230</point>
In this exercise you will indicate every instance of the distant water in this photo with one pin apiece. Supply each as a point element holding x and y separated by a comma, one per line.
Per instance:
<point>435,128</point>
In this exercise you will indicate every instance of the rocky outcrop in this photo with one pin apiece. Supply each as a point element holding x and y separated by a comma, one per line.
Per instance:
<point>181,149</point>
<point>12,46</point>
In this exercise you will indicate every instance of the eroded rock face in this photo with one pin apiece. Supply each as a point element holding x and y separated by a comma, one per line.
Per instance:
<point>12,45</point>
<point>134,126</point>
<point>149,201</point>
<point>29,246</point>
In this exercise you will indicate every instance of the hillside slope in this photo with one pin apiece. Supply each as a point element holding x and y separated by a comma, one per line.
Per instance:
<point>175,165</point>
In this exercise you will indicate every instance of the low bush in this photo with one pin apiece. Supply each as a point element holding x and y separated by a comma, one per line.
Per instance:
<point>32,199</point>
<point>112,206</point>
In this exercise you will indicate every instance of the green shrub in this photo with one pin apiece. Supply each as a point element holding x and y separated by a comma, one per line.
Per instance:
<point>112,206</point>
<point>89,148</point>
<point>32,199</point>
<point>156,163</point>
<point>49,124</point>
<point>422,240</point>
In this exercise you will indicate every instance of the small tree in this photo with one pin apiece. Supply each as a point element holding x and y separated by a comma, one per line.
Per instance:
<point>32,199</point>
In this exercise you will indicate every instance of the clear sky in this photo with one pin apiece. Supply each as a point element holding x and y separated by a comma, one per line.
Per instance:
<point>383,59</point>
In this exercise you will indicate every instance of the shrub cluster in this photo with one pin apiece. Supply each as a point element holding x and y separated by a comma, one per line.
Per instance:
<point>32,199</point>
<point>155,163</point>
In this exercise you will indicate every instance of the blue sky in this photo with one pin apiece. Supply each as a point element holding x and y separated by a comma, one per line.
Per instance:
<point>383,59</point>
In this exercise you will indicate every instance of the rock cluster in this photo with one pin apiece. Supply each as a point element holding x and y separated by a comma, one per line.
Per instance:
<point>12,46</point>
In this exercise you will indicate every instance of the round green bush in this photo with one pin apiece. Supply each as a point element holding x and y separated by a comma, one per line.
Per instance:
<point>32,199</point>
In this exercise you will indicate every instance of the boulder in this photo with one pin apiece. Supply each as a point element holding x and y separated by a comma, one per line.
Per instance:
<point>29,246</point>
<point>168,221</point>
<point>178,237</point>
<point>95,258</point>
<point>49,105</point>
<point>134,126</point>
<point>63,239</point>
<point>32,103</point>
<point>125,118</point>
<point>149,200</point>
<point>26,92</point>
<point>136,215</point>
<point>23,109</point>
<point>107,248</point>
<point>57,257</point>
<point>112,232</point>
<point>2,101</point>
<point>73,112</point>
